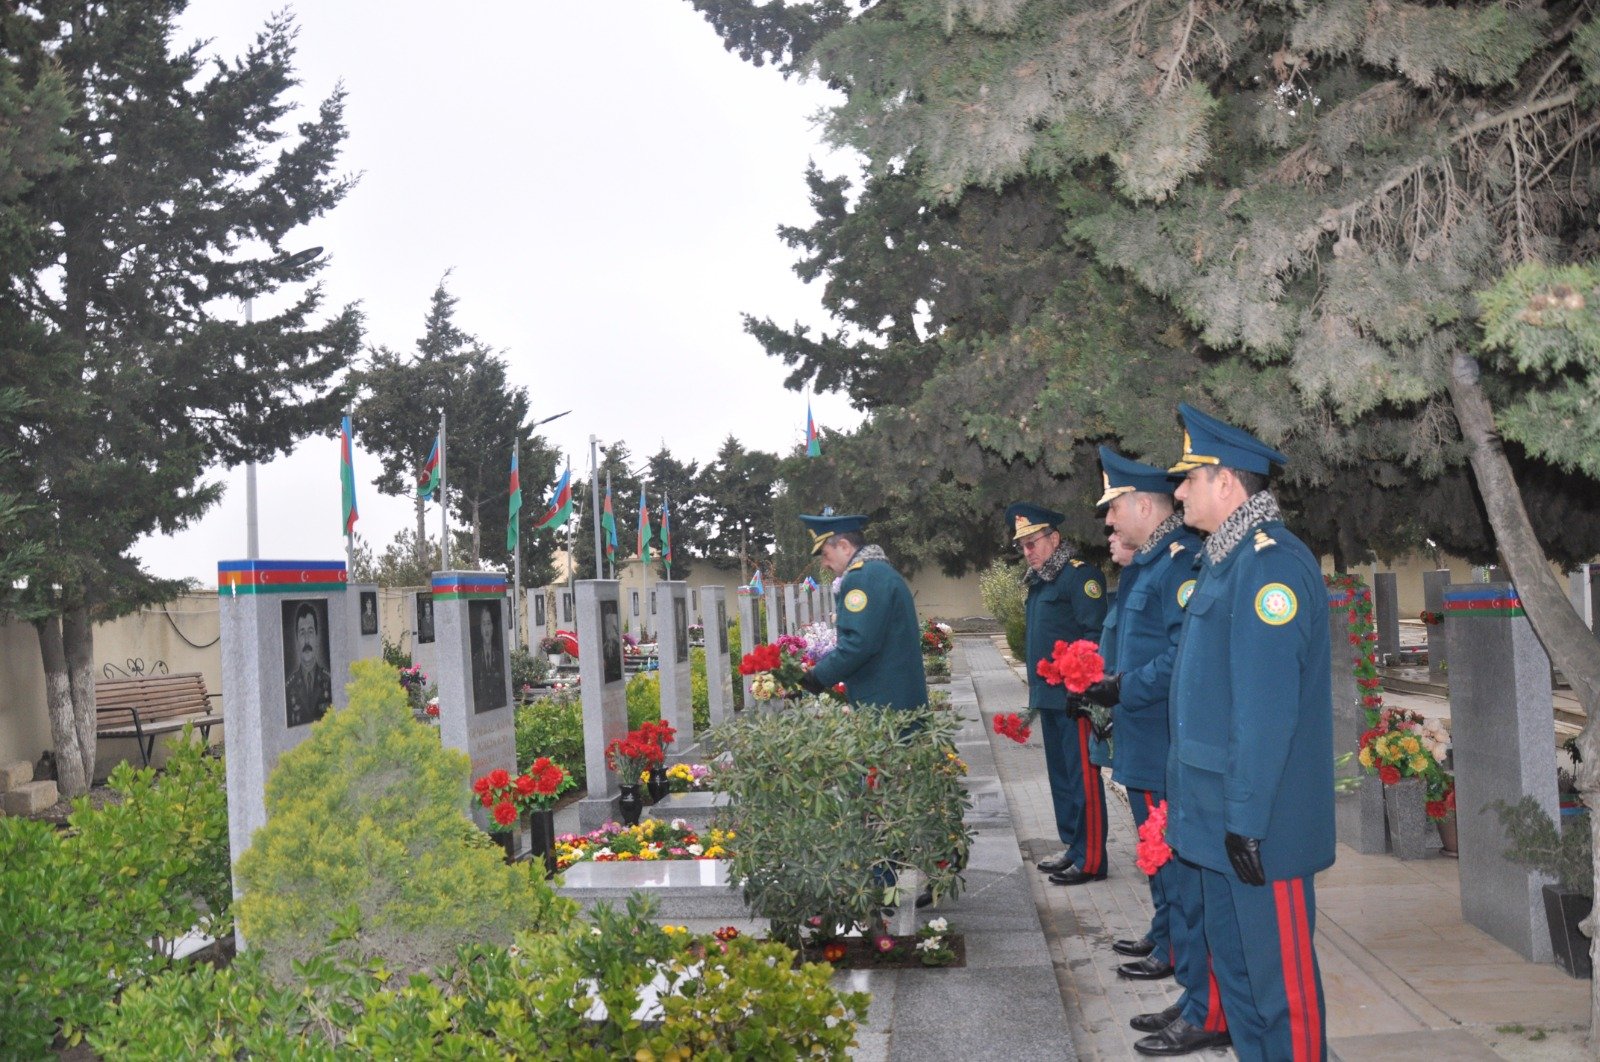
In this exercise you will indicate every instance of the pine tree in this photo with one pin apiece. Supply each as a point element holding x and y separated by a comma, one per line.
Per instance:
<point>179,198</point>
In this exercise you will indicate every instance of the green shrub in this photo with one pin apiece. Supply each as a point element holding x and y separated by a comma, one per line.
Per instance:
<point>644,696</point>
<point>749,1001</point>
<point>395,656</point>
<point>1017,639</point>
<point>733,659</point>
<point>825,800</point>
<point>527,669</point>
<point>1006,598</point>
<point>552,726</point>
<point>79,910</point>
<point>1549,846</point>
<point>368,828</point>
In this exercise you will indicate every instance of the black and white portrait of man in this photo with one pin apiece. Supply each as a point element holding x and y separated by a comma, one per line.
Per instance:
<point>307,683</point>
<point>369,612</point>
<point>680,627</point>
<point>611,640</point>
<point>488,656</point>
<point>424,618</point>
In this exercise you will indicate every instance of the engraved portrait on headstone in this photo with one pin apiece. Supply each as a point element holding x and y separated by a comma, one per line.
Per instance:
<point>722,627</point>
<point>538,610</point>
<point>680,627</point>
<point>634,594</point>
<point>424,618</point>
<point>566,609</point>
<point>611,640</point>
<point>652,602</point>
<point>307,684</point>
<point>488,658</point>
<point>369,612</point>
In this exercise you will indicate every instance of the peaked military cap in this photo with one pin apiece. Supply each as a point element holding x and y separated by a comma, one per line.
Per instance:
<point>1209,441</point>
<point>1124,475</point>
<point>1025,518</point>
<point>827,525</point>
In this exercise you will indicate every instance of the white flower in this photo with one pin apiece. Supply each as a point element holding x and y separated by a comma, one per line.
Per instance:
<point>696,850</point>
<point>938,925</point>
<point>680,824</point>
<point>603,852</point>
<point>931,944</point>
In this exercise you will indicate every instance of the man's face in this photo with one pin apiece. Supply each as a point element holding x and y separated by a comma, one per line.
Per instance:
<point>1202,493</point>
<point>486,627</point>
<point>836,554</point>
<point>305,636</point>
<point>1121,550</point>
<point>1037,547</point>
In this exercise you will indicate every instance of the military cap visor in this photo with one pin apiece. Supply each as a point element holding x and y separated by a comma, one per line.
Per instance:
<point>1123,475</point>
<point>823,528</point>
<point>1209,441</point>
<point>1025,518</point>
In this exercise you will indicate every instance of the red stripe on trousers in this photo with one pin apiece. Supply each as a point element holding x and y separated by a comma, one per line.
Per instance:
<point>1096,819</point>
<point>1216,1020</point>
<point>1308,979</point>
<point>1293,979</point>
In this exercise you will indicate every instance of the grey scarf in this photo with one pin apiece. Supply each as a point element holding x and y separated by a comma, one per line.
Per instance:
<point>1257,509</point>
<point>1163,529</point>
<point>869,553</point>
<point>1051,568</point>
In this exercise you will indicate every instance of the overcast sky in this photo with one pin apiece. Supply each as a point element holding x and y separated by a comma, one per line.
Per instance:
<point>604,183</point>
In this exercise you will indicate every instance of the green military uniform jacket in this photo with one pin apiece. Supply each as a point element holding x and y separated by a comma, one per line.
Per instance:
<point>879,654</point>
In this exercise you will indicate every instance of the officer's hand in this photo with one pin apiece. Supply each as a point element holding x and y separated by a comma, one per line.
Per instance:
<point>809,683</point>
<point>1245,855</point>
<point>1075,705</point>
<point>1106,693</point>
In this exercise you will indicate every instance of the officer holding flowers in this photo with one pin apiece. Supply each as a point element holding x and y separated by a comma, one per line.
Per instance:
<point>1250,778</point>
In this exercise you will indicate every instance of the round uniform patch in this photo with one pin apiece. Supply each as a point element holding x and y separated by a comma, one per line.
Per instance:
<point>1184,593</point>
<point>1276,604</point>
<point>1091,589</point>
<point>855,600</point>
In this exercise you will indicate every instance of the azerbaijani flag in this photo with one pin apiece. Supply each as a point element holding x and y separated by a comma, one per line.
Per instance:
<point>666,533</point>
<point>813,440</point>
<point>428,478</point>
<point>516,505</point>
<point>811,584</point>
<point>608,523</point>
<point>755,584</point>
<point>347,478</point>
<point>560,504</point>
<point>644,530</point>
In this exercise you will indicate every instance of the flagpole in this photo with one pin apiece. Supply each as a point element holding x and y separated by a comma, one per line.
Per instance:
<point>594,494</point>
<point>666,534</point>
<point>349,532</point>
<point>444,500</point>
<point>517,594</point>
<point>570,521</point>
<point>613,555</point>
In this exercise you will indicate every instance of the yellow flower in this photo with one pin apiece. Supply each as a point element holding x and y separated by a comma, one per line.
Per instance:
<point>1366,757</point>
<point>649,853</point>
<point>1419,763</point>
<point>1411,745</point>
<point>674,930</point>
<point>714,852</point>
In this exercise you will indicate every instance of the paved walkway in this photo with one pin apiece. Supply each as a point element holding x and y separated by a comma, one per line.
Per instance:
<point>1404,975</point>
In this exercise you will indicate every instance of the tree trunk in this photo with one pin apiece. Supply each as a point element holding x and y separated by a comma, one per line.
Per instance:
<point>72,778</point>
<point>1571,645</point>
<point>477,538</point>
<point>77,640</point>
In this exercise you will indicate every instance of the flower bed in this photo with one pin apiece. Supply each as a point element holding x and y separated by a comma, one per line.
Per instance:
<point>649,841</point>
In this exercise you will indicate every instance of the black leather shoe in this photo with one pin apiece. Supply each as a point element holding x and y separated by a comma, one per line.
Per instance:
<point>1134,949</point>
<point>1074,876</point>
<point>1055,864</point>
<point>1150,1023</point>
<point>1146,969</point>
<point>1180,1038</point>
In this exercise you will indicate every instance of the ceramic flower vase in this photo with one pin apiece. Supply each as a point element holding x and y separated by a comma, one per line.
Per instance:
<point>507,840</point>
<point>632,804</point>
<point>542,838</point>
<point>1448,837</point>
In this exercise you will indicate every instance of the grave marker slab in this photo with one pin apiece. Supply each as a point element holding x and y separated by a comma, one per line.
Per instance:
<point>363,616</point>
<point>423,633</point>
<point>285,661</point>
<point>1504,748</point>
<point>749,635</point>
<point>719,674</point>
<point>470,613</point>
<point>672,649</point>
<point>1434,584</point>
<point>604,693</point>
<point>1358,813</point>
<point>1386,612</point>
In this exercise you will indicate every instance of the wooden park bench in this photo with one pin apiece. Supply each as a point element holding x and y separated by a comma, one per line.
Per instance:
<point>146,706</point>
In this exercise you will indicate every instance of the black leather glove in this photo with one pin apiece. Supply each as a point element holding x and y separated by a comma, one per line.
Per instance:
<point>1106,692</point>
<point>1245,855</point>
<point>809,683</point>
<point>1075,706</point>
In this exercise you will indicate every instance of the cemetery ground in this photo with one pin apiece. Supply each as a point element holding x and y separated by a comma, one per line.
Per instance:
<point>1404,975</point>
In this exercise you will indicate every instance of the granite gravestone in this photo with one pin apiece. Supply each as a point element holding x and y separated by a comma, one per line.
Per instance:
<point>1358,811</point>
<point>284,664</point>
<point>1434,584</point>
<point>672,649</point>
<point>1503,748</point>
<point>604,694</point>
<point>719,673</point>
<point>1386,611</point>
<point>1580,588</point>
<point>423,651</point>
<point>361,609</point>
<point>749,635</point>
<point>474,679</point>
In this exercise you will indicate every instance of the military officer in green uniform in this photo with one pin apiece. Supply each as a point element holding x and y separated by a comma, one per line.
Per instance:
<point>1250,778</point>
<point>879,653</point>
<point>1066,602</point>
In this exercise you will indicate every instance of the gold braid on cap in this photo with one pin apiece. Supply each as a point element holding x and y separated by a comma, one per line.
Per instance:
<point>1111,492</point>
<point>1026,527</point>
<point>818,540</point>
<point>1190,459</point>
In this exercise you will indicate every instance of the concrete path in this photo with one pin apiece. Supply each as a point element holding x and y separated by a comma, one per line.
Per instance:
<point>1404,975</point>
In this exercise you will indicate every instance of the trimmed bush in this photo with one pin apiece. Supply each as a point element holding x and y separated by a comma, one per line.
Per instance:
<point>368,840</point>
<point>552,726</point>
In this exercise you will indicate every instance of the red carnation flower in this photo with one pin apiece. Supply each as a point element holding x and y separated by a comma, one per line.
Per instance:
<point>524,785</point>
<point>481,785</point>
<point>1390,775</point>
<point>498,778</point>
<point>505,813</point>
<point>486,799</point>
<point>1075,665</point>
<point>1436,809</point>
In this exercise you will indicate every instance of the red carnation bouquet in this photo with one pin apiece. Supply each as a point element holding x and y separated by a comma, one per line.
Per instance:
<point>1154,851</point>
<point>775,667</point>
<point>1075,665</point>
<point>633,754</point>
<point>535,790</point>
<point>1015,726</point>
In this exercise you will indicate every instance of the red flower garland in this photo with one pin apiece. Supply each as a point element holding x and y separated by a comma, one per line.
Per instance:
<point>1075,665</point>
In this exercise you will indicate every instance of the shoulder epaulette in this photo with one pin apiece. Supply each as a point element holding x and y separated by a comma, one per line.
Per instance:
<point>1176,548</point>
<point>1263,540</point>
<point>1076,563</point>
<point>857,564</point>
